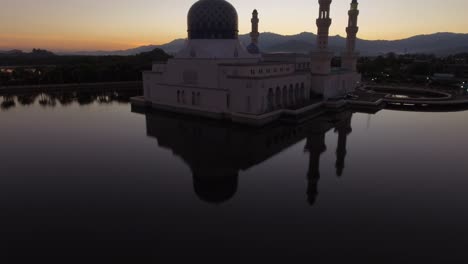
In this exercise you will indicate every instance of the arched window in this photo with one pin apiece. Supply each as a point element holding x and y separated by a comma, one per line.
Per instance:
<point>278,97</point>
<point>198,99</point>
<point>270,99</point>
<point>178,96</point>
<point>285,95</point>
<point>263,104</point>
<point>291,95</point>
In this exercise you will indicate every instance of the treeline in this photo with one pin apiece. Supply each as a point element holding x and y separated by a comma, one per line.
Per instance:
<point>411,68</point>
<point>43,67</point>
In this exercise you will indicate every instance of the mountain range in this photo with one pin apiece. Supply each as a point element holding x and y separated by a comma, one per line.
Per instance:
<point>439,44</point>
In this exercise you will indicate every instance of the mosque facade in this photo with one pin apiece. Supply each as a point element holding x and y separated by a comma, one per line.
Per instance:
<point>215,75</point>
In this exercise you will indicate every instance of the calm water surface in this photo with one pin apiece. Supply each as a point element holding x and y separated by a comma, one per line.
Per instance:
<point>99,182</point>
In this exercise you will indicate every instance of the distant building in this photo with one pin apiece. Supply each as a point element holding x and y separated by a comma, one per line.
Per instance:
<point>447,79</point>
<point>214,75</point>
<point>460,70</point>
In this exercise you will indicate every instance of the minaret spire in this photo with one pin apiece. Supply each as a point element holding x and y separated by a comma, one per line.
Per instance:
<point>321,57</point>
<point>254,34</point>
<point>252,48</point>
<point>349,58</point>
<point>323,25</point>
<point>352,28</point>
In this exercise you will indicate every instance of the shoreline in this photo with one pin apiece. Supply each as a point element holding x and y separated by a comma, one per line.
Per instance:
<point>71,86</point>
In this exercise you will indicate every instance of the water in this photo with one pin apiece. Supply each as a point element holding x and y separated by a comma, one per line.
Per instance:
<point>97,181</point>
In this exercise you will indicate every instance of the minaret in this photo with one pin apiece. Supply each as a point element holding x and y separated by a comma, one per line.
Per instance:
<point>321,58</point>
<point>323,25</point>
<point>350,56</point>
<point>352,28</point>
<point>252,48</point>
<point>254,34</point>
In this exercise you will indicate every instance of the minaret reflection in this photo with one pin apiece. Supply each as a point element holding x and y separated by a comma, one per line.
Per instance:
<point>316,147</point>
<point>217,152</point>
<point>344,130</point>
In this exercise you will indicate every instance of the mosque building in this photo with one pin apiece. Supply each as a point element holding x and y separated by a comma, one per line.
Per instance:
<point>215,75</point>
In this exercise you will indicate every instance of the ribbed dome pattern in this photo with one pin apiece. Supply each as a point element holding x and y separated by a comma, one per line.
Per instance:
<point>212,19</point>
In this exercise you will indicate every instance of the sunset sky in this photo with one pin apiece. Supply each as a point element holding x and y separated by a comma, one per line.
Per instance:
<point>71,25</point>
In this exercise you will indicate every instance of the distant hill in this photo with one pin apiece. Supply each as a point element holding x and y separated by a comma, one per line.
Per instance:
<point>11,52</point>
<point>293,45</point>
<point>439,44</point>
<point>171,48</point>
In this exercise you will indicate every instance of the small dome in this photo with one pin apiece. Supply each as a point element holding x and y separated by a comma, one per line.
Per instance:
<point>212,19</point>
<point>253,49</point>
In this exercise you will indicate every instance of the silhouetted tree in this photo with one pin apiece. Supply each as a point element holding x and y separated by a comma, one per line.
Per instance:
<point>54,69</point>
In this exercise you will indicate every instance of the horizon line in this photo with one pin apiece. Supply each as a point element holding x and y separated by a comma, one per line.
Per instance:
<point>244,34</point>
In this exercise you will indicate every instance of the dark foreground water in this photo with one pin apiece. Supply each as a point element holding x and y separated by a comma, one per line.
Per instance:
<point>98,182</point>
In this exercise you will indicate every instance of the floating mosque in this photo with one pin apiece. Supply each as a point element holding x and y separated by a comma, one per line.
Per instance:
<point>215,75</point>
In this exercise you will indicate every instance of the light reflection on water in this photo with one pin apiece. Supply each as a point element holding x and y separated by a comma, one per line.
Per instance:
<point>95,178</point>
<point>64,98</point>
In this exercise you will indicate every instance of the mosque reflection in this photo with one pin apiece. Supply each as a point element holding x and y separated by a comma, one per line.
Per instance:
<point>216,152</point>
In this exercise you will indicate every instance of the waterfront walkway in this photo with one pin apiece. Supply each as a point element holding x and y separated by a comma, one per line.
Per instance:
<point>379,95</point>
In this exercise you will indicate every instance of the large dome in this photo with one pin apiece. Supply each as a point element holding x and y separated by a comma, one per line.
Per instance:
<point>212,19</point>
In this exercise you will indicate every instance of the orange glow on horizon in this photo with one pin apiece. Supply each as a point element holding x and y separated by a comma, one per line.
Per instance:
<point>67,44</point>
<point>89,25</point>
